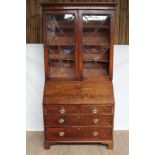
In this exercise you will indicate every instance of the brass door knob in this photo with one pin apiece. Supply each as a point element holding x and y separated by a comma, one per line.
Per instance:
<point>61,134</point>
<point>94,111</point>
<point>96,120</point>
<point>62,110</point>
<point>61,120</point>
<point>95,133</point>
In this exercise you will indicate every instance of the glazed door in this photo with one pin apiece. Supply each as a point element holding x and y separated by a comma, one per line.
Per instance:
<point>60,42</point>
<point>95,33</point>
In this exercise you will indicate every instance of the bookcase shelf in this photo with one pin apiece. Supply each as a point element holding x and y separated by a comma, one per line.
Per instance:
<point>61,70</point>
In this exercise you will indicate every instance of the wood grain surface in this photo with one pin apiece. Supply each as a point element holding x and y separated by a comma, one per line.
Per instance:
<point>78,93</point>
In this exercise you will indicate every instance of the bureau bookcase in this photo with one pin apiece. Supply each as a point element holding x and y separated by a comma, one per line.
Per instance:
<point>78,102</point>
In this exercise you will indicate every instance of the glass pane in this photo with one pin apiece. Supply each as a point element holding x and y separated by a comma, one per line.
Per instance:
<point>60,44</point>
<point>95,46</point>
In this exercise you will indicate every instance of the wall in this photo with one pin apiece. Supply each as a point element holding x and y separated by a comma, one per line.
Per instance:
<point>34,19</point>
<point>121,86</point>
<point>35,84</point>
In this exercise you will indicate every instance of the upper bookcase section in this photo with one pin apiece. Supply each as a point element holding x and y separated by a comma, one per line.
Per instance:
<point>78,40</point>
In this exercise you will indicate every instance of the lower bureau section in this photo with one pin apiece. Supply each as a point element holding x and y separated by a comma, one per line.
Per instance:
<point>78,112</point>
<point>78,134</point>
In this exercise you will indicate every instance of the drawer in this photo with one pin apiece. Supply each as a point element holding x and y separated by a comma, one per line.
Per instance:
<point>78,120</point>
<point>78,134</point>
<point>61,109</point>
<point>61,120</point>
<point>95,109</point>
<point>95,133</point>
<point>96,120</point>
<point>60,134</point>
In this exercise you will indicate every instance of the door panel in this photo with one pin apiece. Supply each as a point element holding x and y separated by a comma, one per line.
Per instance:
<point>61,45</point>
<point>95,44</point>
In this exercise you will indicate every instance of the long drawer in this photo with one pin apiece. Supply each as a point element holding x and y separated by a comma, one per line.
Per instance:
<point>78,120</point>
<point>78,133</point>
<point>78,109</point>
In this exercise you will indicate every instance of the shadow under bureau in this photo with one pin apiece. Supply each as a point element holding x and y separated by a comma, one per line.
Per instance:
<point>78,102</point>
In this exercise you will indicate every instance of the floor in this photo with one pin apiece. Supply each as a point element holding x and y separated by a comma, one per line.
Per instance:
<point>35,146</point>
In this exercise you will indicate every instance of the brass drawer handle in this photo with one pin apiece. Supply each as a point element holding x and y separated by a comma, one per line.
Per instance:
<point>61,134</point>
<point>61,120</point>
<point>94,111</point>
<point>96,121</point>
<point>62,110</point>
<point>95,133</point>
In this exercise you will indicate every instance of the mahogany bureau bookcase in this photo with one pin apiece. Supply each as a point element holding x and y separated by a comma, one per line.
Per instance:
<point>78,102</point>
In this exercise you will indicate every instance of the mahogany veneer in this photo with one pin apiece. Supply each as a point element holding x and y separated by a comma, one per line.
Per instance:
<point>78,102</point>
<point>80,111</point>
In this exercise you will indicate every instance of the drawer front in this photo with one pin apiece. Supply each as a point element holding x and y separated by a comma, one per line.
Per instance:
<point>96,133</point>
<point>61,120</point>
<point>96,120</point>
<point>74,109</point>
<point>78,134</point>
<point>60,109</point>
<point>60,134</point>
<point>78,120</point>
<point>95,109</point>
